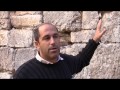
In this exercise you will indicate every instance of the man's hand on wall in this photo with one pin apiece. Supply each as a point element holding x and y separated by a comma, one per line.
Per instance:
<point>98,33</point>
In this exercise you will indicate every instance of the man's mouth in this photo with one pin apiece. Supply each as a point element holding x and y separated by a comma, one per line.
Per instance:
<point>53,49</point>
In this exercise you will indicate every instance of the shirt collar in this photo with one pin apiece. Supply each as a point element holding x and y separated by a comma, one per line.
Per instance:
<point>39,58</point>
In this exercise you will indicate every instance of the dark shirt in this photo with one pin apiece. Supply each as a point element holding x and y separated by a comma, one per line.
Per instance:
<point>63,69</point>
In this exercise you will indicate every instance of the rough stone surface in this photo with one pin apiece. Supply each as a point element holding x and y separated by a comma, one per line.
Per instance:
<point>89,19</point>
<point>4,14</point>
<point>25,21</point>
<point>64,39</point>
<point>82,36</point>
<point>5,75</point>
<point>64,20</point>
<point>22,55</point>
<point>20,13</point>
<point>105,63</point>
<point>6,58</point>
<point>20,38</point>
<point>5,24</point>
<point>72,49</point>
<point>3,37</point>
<point>111,22</point>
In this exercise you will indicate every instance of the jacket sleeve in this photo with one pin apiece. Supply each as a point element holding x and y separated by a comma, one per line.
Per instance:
<point>78,62</point>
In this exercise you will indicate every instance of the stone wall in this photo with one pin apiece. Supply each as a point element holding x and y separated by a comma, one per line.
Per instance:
<point>75,27</point>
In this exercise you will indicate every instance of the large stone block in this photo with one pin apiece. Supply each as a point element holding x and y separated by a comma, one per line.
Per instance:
<point>105,63</point>
<point>20,38</point>
<point>64,39</point>
<point>25,20</point>
<point>64,20</point>
<point>22,55</point>
<point>84,74</point>
<point>19,13</point>
<point>72,49</point>
<point>6,60</point>
<point>111,22</point>
<point>5,24</point>
<point>3,37</point>
<point>5,75</point>
<point>89,19</point>
<point>4,14</point>
<point>82,36</point>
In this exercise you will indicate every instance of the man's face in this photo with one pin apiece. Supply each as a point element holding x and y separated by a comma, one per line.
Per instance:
<point>49,42</point>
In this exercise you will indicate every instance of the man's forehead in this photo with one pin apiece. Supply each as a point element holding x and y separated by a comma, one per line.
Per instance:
<point>47,26</point>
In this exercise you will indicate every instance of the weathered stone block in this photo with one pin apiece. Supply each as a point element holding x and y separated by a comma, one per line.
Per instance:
<point>20,38</point>
<point>3,37</point>
<point>5,24</point>
<point>5,75</point>
<point>111,22</point>
<point>72,49</point>
<point>104,63</point>
<point>26,21</point>
<point>89,19</point>
<point>19,13</point>
<point>82,36</point>
<point>64,20</point>
<point>22,55</point>
<point>4,14</point>
<point>6,60</point>
<point>64,39</point>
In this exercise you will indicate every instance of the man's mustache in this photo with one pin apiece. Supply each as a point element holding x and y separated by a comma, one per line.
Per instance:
<point>55,47</point>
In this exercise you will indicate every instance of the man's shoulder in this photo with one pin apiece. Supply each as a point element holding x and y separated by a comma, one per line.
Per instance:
<point>23,68</point>
<point>63,55</point>
<point>29,61</point>
<point>26,64</point>
<point>66,56</point>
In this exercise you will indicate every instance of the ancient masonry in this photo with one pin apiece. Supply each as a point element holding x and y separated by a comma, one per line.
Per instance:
<point>75,27</point>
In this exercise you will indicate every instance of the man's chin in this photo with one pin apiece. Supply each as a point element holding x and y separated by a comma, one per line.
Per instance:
<point>54,55</point>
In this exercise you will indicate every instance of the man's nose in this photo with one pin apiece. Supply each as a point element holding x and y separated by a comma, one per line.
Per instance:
<point>52,41</point>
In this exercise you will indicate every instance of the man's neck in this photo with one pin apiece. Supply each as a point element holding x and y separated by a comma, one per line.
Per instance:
<point>49,59</point>
<point>54,60</point>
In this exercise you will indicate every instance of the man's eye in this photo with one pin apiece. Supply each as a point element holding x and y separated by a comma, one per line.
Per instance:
<point>46,38</point>
<point>55,36</point>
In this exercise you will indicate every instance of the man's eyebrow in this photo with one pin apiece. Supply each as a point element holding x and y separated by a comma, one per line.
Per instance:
<point>46,36</point>
<point>55,34</point>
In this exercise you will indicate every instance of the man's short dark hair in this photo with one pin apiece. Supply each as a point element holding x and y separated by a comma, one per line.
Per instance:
<point>36,30</point>
<point>36,33</point>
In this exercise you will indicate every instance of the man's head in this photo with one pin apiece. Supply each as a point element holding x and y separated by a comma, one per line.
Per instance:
<point>47,41</point>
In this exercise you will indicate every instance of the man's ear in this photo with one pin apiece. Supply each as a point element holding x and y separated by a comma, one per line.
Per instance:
<point>36,45</point>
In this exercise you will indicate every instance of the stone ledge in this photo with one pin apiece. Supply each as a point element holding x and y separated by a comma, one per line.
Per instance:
<point>5,75</point>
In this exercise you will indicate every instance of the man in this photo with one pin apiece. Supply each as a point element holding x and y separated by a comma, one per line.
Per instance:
<point>49,63</point>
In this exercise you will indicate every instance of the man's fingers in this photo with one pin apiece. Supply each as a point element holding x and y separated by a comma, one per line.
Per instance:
<point>99,24</point>
<point>103,31</point>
